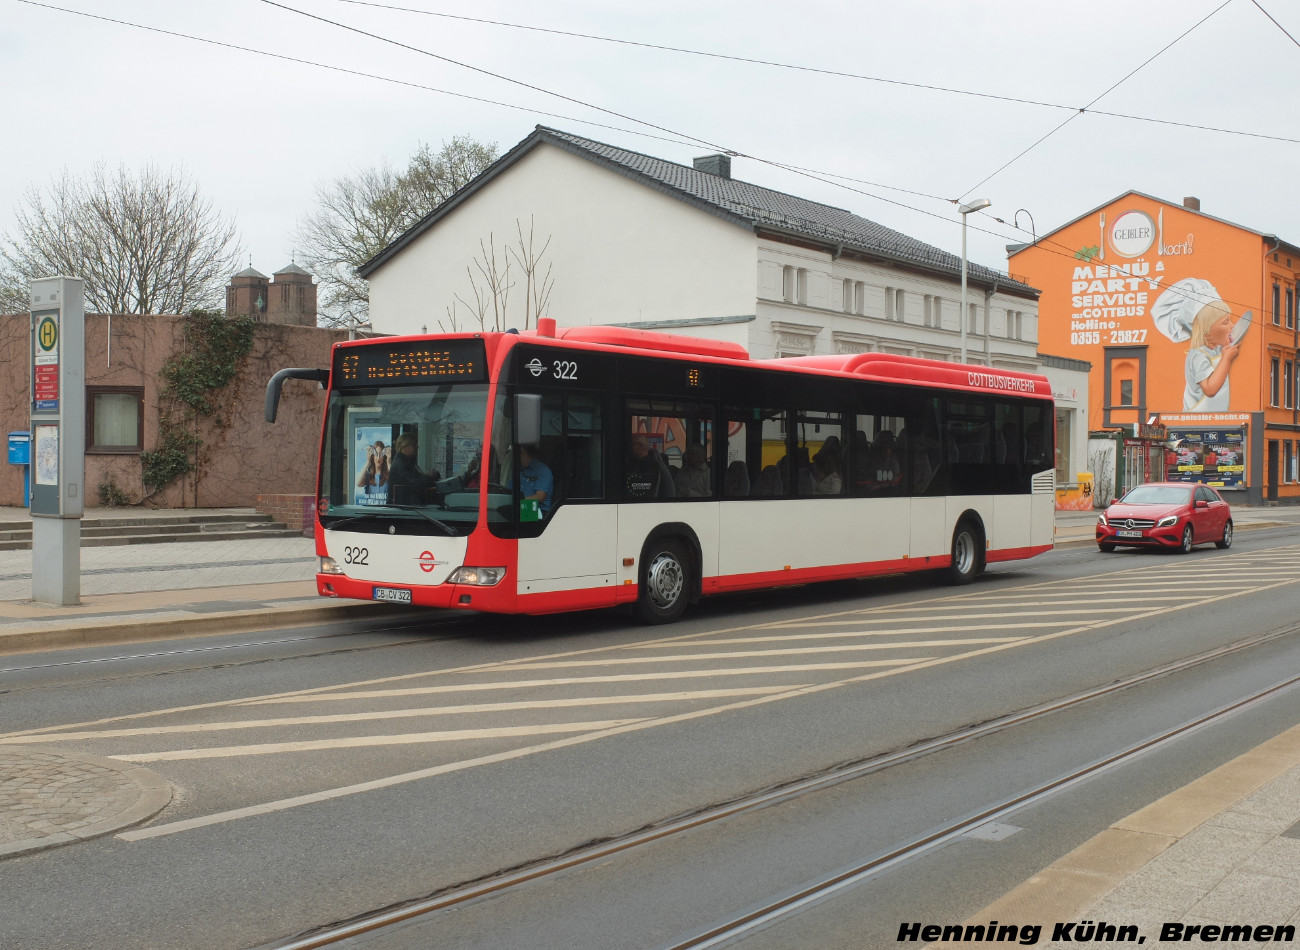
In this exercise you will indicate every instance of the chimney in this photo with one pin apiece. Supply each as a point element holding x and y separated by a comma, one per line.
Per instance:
<point>1193,203</point>
<point>719,165</point>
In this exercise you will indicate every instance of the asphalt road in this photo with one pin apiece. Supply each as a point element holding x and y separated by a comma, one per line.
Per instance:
<point>326,772</point>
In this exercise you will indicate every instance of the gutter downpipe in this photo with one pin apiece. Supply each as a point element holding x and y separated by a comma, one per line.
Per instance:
<point>1260,495</point>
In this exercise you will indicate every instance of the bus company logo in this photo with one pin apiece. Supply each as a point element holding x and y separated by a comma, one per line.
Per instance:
<point>1132,234</point>
<point>428,562</point>
<point>990,381</point>
<point>535,366</point>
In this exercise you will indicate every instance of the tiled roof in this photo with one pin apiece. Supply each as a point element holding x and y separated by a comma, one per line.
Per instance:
<point>737,201</point>
<point>765,208</point>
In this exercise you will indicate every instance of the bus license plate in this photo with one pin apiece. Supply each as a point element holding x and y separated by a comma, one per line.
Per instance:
<point>1129,534</point>
<point>395,595</point>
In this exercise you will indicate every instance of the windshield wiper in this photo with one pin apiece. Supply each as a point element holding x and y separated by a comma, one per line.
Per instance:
<point>419,509</point>
<point>353,519</point>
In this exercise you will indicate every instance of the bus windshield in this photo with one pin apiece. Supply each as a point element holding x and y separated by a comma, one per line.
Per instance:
<point>404,458</point>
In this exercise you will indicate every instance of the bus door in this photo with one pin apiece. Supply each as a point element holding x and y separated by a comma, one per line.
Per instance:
<point>569,542</point>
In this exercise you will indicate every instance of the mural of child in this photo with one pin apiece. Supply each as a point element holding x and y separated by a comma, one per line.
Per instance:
<point>1192,310</point>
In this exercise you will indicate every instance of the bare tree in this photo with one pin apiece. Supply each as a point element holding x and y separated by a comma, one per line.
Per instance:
<point>491,288</point>
<point>143,243</point>
<point>359,215</point>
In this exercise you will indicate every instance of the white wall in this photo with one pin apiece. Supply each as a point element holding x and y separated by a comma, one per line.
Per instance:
<point>620,252</point>
<point>823,325</point>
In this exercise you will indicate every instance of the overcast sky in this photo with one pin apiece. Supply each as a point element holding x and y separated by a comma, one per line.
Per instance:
<point>259,134</point>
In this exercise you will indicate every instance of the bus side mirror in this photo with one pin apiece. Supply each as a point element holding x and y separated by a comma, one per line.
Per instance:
<point>273,388</point>
<point>528,418</point>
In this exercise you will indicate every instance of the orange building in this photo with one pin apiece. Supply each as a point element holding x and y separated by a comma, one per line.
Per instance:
<point>1190,324</point>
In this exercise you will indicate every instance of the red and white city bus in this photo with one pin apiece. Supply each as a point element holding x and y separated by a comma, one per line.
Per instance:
<point>672,467</point>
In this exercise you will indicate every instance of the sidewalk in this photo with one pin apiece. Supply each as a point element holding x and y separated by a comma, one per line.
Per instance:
<point>1220,852</point>
<point>155,591</point>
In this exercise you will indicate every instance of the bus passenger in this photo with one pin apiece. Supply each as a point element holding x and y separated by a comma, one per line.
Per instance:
<point>826,471</point>
<point>645,474</point>
<point>885,468</point>
<point>769,482</point>
<point>407,481</point>
<point>737,479</point>
<point>695,480</point>
<point>535,479</point>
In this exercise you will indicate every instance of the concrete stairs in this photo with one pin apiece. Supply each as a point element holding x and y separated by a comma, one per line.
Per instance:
<point>156,529</point>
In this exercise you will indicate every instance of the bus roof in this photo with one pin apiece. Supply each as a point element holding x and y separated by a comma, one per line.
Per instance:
<point>886,367</point>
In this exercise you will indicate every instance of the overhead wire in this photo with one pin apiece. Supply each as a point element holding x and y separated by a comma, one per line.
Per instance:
<point>819,70</point>
<point>668,135</point>
<point>1275,23</point>
<point>1113,86</point>
<point>1049,245</point>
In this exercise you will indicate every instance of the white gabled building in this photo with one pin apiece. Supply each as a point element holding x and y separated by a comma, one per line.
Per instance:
<point>638,241</point>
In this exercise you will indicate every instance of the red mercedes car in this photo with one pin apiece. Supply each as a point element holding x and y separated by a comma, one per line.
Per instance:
<point>1173,515</point>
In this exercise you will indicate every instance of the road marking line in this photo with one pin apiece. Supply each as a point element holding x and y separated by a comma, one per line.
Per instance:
<point>741,654</point>
<point>1284,554</point>
<point>630,699</point>
<point>577,680</point>
<point>365,742</point>
<point>389,781</point>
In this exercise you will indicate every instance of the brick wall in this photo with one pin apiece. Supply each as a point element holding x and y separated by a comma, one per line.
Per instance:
<point>292,510</point>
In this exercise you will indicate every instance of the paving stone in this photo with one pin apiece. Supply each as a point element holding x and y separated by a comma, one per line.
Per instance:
<point>46,797</point>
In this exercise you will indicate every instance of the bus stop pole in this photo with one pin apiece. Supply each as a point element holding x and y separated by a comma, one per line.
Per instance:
<point>58,437</point>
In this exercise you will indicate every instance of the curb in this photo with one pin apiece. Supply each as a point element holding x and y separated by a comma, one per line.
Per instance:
<point>46,637</point>
<point>155,794</point>
<point>1067,887</point>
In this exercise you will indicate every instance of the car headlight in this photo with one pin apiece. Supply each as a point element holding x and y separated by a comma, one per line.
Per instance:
<point>478,576</point>
<point>1101,519</point>
<point>327,565</point>
<point>1167,521</point>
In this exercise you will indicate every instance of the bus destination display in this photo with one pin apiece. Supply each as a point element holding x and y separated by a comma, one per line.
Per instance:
<point>410,363</point>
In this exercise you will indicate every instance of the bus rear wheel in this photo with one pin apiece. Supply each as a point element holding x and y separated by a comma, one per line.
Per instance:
<point>666,582</point>
<point>966,562</point>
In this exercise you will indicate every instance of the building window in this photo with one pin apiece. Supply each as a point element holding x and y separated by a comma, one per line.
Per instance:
<point>1126,392</point>
<point>1013,324</point>
<point>1273,382</point>
<point>787,284</point>
<point>1277,305</point>
<point>848,295</point>
<point>899,308</point>
<point>859,298</point>
<point>1290,308</point>
<point>1288,384</point>
<point>972,319</point>
<point>801,279</point>
<point>114,419</point>
<point>933,311</point>
<point>1288,465</point>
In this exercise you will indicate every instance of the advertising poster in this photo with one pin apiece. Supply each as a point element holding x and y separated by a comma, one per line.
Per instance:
<point>1161,300</point>
<point>1215,457</point>
<point>46,455</point>
<point>371,456</point>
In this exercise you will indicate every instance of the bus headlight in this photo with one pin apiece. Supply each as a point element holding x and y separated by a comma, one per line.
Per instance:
<point>328,566</point>
<point>478,576</point>
<point>1167,521</point>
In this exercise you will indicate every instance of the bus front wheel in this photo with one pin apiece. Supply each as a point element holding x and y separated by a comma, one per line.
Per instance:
<point>665,582</point>
<point>966,561</point>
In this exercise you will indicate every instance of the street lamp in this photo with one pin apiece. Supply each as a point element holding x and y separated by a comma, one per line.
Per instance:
<point>978,204</point>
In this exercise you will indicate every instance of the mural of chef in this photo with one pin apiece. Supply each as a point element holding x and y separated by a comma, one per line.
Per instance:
<point>1192,310</point>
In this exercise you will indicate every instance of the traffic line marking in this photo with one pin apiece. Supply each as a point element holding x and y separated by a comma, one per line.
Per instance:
<point>364,742</point>
<point>630,699</point>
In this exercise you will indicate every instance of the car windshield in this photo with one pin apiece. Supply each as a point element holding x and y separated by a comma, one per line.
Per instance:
<point>404,456</point>
<point>1157,495</point>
